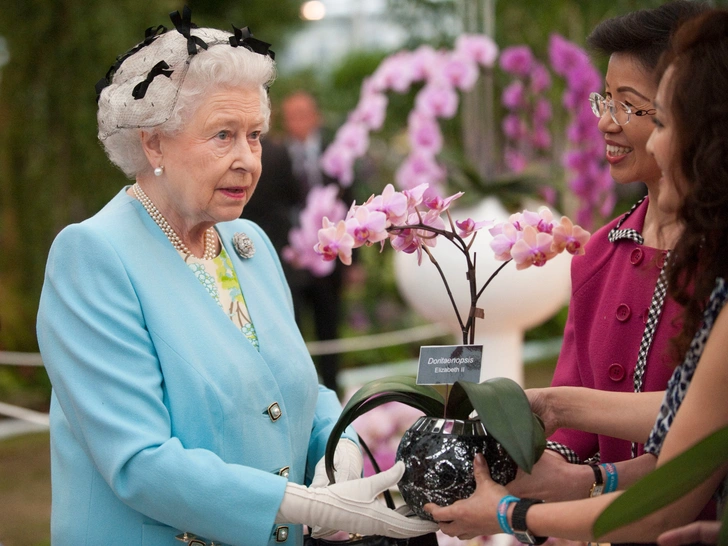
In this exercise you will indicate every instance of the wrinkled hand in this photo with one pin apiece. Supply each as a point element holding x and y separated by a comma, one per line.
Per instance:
<point>476,515</point>
<point>538,398</point>
<point>550,480</point>
<point>348,465</point>
<point>352,506</point>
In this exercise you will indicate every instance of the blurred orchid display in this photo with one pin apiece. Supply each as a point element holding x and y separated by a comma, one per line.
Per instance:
<point>412,220</point>
<point>438,78</point>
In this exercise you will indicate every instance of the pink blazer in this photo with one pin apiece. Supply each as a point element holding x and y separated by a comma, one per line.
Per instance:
<point>612,286</point>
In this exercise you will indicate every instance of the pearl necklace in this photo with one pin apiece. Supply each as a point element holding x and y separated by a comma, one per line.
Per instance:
<point>161,221</point>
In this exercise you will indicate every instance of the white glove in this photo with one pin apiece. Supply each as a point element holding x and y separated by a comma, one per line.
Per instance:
<point>348,465</point>
<point>352,506</point>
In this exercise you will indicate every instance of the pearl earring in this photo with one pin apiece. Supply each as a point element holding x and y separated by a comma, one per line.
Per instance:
<point>158,171</point>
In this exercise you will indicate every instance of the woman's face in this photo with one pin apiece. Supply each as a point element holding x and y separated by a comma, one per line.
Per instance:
<point>628,82</point>
<point>661,146</point>
<point>212,167</point>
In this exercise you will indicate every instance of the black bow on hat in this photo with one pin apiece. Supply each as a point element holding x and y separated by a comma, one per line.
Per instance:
<point>243,37</point>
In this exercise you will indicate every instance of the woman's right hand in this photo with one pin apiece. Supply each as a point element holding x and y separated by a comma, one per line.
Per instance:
<point>542,406</point>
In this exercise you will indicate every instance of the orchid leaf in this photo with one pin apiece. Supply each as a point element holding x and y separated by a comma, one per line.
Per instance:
<point>401,389</point>
<point>459,405</point>
<point>504,410</point>
<point>666,484</point>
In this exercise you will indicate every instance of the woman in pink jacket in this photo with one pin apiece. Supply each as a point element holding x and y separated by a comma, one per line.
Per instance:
<point>620,320</point>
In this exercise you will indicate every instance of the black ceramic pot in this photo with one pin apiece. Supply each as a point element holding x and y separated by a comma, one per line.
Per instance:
<point>438,457</point>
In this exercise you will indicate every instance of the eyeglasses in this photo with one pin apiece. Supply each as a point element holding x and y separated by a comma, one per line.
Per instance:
<point>619,112</point>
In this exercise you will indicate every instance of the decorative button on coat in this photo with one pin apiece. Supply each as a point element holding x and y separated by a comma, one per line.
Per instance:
<point>616,372</point>
<point>285,471</point>
<point>274,411</point>
<point>282,534</point>
<point>637,256</point>
<point>623,312</point>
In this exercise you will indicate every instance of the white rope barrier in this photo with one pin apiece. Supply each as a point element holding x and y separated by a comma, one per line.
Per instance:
<point>30,416</point>
<point>13,358</point>
<point>376,341</point>
<point>332,346</point>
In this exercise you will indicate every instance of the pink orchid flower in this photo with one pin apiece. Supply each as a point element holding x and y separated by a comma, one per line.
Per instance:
<point>478,47</point>
<point>540,79</point>
<point>419,168</point>
<point>514,95</point>
<point>543,220</point>
<point>391,202</point>
<point>371,110</point>
<point>395,73</point>
<point>366,226</point>
<point>338,162</point>
<point>334,242</point>
<point>355,136</point>
<point>468,227</point>
<point>533,248</point>
<point>517,60</point>
<point>412,240</point>
<point>514,127</point>
<point>421,62</point>
<point>433,201</point>
<point>570,237</point>
<point>459,71</point>
<point>505,236</point>
<point>437,101</point>
<point>424,133</point>
<point>514,160</point>
<point>415,195</point>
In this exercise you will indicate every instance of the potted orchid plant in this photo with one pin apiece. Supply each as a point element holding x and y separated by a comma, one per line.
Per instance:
<point>506,431</point>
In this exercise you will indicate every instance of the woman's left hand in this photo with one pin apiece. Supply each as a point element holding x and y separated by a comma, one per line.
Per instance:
<point>476,515</point>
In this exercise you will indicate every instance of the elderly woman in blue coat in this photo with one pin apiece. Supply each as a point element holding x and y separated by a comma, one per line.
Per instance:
<point>185,405</point>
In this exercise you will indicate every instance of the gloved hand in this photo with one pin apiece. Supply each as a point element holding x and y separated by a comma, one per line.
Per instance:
<point>348,465</point>
<point>352,506</point>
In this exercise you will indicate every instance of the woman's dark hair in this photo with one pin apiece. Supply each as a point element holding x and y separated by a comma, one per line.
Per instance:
<point>643,34</point>
<point>697,100</point>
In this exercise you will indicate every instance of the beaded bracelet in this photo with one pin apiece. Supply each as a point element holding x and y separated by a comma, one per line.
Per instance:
<point>612,478</point>
<point>503,505</point>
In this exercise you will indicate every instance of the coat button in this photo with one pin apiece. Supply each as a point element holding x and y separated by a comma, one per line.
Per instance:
<point>645,315</point>
<point>282,533</point>
<point>661,260</point>
<point>285,471</point>
<point>616,372</point>
<point>274,411</point>
<point>623,312</point>
<point>636,256</point>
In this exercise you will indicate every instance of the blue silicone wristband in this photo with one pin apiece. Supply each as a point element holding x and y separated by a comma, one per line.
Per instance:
<point>612,480</point>
<point>502,512</point>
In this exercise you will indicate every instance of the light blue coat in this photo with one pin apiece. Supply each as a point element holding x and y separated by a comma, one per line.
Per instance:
<point>159,420</point>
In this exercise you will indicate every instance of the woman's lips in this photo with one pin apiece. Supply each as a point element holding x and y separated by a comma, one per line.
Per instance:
<point>235,192</point>
<point>615,153</point>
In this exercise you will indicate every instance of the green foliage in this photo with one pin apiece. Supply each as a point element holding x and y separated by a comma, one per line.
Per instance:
<point>668,483</point>
<point>504,410</point>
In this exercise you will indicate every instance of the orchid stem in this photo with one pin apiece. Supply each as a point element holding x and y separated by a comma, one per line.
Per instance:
<point>447,287</point>
<point>492,277</point>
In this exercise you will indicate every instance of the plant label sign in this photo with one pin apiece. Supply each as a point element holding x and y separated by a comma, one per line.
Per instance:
<point>441,364</point>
